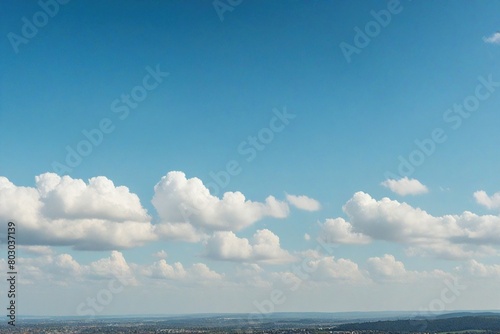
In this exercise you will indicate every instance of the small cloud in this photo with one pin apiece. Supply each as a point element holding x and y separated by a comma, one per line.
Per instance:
<point>492,39</point>
<point>405,186</point>
<point>303,202</point>
<point>160,254</point>
<point>491,202</point>
<point>307,237</point>
<point>338,231</point>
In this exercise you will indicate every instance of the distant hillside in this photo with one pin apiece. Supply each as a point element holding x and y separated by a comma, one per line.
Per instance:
<point>461,323</point>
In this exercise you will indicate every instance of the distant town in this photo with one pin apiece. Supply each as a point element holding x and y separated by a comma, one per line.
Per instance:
<point>304,323</point>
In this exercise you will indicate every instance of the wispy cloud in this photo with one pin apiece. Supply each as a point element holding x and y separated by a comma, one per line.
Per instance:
<point>492,39</point>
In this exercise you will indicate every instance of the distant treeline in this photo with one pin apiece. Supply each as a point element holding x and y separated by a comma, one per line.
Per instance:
<point>490,322</point>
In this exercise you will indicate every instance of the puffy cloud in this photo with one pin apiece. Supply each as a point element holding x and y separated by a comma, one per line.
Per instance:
<point>198,273</point>
<point>59,269</point>
<point>449,236</point>
<point>405,186</point>
<point>339,231</point>
<point>201,270</point>
<point>179,200</point>
<point>303,202</point>
<point>491,202</point>
<point>162,269</point>
<point>264,247</point>
<point>318,268</point>
<point>113,267</point>
<point>328,268</point>
<point>386,268</point>
<point>493,38</point>
<point>307,237</point>
<point>477,269</point>
<point>68,198</point>
<point>66,211</point>
<point>160,254</point>
<point>389,270</point>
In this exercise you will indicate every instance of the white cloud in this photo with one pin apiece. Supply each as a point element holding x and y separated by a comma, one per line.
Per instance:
<point>179,231</point>
<point>160,254</point>
<point>477,269</point>
<point>68,198</point>
<point>307,237</point>
<point>405,186</point>
<point>328,268</point>
<point>492,39</point>
<point>303,202</point>
<point>63,269</point>
<point>162,269</point>
<point>197,273</point>
<point>38,250</point>
<point>113,267</point>
<point>491,202</point>
<point>318,268</point>
<point>66,211</point>
<point>264,247</point>
<point>448,236</point>
<point>179,201</point>
<point>338,231</point>
<point>386,268</point>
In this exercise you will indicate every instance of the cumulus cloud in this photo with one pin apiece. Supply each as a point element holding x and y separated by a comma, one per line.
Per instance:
<point>386,268</point>
<point>179,200</point>
<point>113,267</point>
<point>198,272</point>
<point>264,247</point>
<point>303,202</point>
<point>493,38</point>
<point>160,254</point>
<point>68,198</point>
<point>70,212</point>
<point>342,269</point>
<point>318,268</point>
<point>491,202</point>
<point>477,269</point>
<point>64,269</point>
<point>338,231</point>
<point>405,186</point>
<point>448,236</point>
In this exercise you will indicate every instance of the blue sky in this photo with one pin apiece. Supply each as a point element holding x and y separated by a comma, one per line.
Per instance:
<point>350,119</point>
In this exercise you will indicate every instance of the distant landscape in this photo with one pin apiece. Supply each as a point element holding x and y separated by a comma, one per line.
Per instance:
<point>345,322</point>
